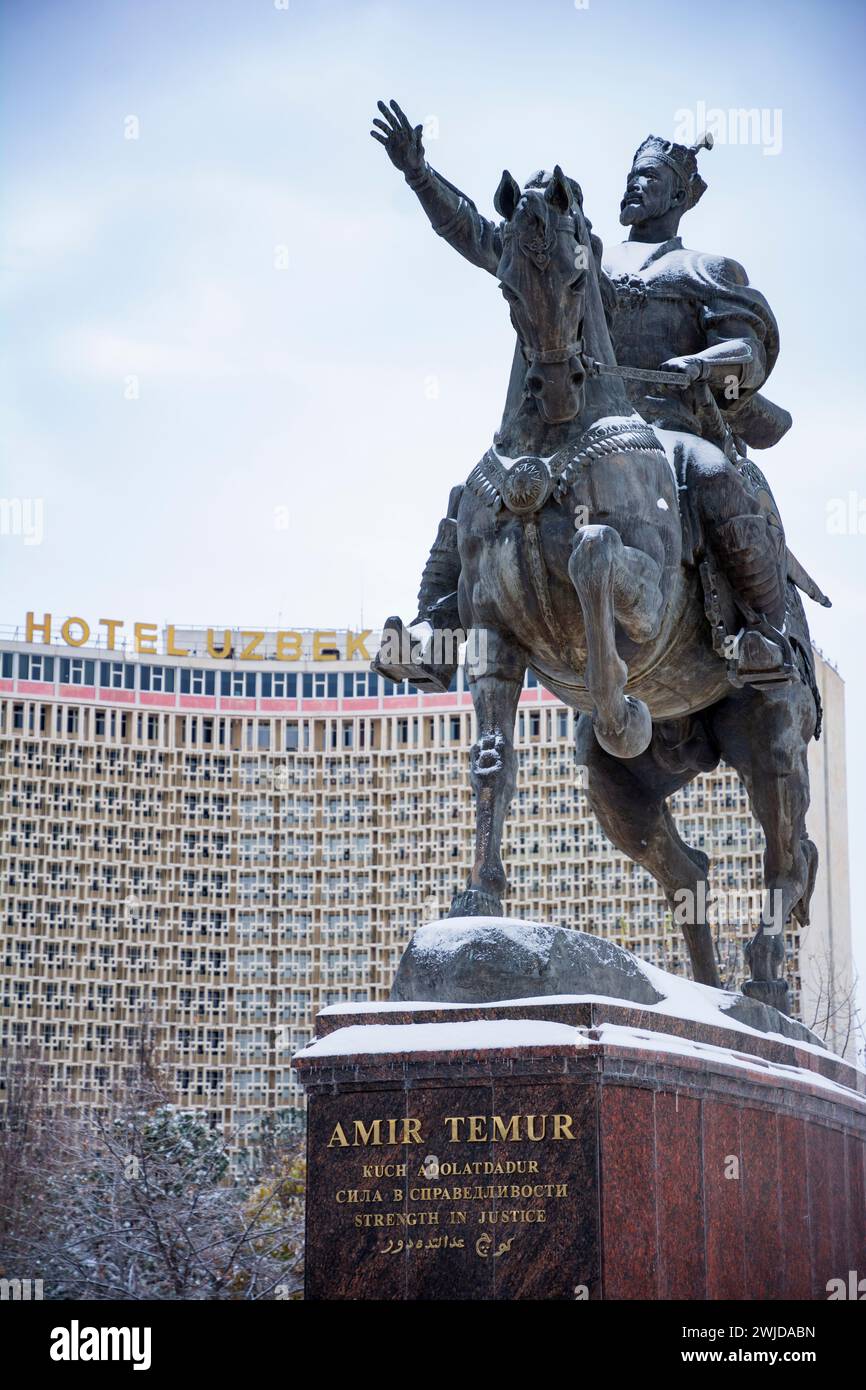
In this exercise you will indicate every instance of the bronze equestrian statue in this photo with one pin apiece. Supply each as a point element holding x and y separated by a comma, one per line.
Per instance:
<point>617,541</point>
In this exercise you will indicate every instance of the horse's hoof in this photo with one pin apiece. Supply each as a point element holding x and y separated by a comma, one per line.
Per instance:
<point>474,902</point>
<point>635,736</point>
<point>774,992</point>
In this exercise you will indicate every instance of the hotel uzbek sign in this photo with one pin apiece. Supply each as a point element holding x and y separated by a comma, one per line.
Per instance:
<point>220,644</point>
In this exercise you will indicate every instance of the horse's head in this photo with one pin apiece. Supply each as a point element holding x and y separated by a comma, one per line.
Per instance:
<point>542,274</point>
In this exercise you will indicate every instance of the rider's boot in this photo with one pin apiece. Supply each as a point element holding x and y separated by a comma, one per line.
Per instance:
<point>751,553</point>
<point>429,659</point>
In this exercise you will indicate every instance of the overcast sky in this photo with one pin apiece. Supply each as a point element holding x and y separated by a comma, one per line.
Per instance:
<point>301,340</point>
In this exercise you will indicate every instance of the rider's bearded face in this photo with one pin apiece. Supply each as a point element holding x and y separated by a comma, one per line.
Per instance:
<point>649,192</point>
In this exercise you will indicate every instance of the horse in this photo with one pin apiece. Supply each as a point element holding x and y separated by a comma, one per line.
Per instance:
<point>579,563</point>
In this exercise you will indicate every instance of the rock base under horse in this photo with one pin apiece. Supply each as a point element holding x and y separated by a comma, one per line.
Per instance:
<point>480,960</point>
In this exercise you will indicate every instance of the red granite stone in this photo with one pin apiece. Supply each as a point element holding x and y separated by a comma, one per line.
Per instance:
<point>590,1014</point>
<point>556,1257</point>
<point>837,1177</point>
<point>679,1197</point>
<point>820,1187</point>
<point>449,1268</point>
<point>762,1231</point>
<point>647,1210</point>
<point>344,1260</point>
<point>856,1242</point>
<point>628,1193</point>
<point>794,1201</point>
<point>723,1205</point>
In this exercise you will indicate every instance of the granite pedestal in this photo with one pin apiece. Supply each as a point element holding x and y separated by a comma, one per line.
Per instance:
<point>570,1149</point>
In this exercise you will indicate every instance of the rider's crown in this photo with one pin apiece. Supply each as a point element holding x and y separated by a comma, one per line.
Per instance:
<point>681,158</point>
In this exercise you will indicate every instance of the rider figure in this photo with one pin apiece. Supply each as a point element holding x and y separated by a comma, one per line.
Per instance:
<point>672,309</point>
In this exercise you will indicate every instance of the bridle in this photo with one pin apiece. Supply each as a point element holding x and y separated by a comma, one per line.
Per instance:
<point>562,354</point>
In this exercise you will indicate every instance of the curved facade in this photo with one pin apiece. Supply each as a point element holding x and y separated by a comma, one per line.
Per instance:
<point>215,847</point>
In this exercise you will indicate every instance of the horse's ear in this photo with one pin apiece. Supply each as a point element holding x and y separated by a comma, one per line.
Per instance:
<point>559,192</point>
<point>507,196</point>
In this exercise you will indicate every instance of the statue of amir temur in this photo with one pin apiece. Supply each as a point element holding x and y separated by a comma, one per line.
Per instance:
<point>685,312</point>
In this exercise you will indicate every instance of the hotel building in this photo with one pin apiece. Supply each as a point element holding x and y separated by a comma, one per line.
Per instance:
<point>217,846</point>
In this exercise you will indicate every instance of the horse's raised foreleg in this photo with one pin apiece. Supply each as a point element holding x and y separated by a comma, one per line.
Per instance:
<point>614,583</point>
<point>495,669</point>
<point>629,799</point>
<point>765,734</point>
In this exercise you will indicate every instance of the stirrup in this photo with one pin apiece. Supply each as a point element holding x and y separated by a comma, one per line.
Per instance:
<point>764,657</point>
<point>396,637</point>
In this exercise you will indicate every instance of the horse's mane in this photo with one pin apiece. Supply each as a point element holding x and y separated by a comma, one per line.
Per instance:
<point>585,236</point>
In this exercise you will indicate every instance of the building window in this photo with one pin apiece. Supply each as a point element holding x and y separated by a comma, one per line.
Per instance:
<point>160,678</point>
<point>318,685</point>
<point>117,675</point>
<point>360,683</point>
<point>76,670</point>
<point>35,668</point>
<point>279,685</point>
<point>197,681</point>
<point>397,688</point>
<point>238,683</point>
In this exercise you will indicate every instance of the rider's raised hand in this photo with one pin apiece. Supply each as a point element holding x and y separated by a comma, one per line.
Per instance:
<point>402,142</point>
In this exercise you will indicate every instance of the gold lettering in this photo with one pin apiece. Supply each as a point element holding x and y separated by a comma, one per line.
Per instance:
<point>145,638</point>
<point>562,1127</point>
<point>338,1137</point>
<point>255,639</point>
<point>66,632</point>
<point>531,1126</point>
<point>412,1132</point>
<point>170,648</point>
<point>509,1131</point>
<point>477,1129</point>
<point>385,1170</point>
<point>454,1121</point>
<point>324,644</point>
<point>31,627</point>
<point>112,624</point>
<point>225,650</point>
<point>288,646</point>
<point>365,1135</point>
<point>355,642</point>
